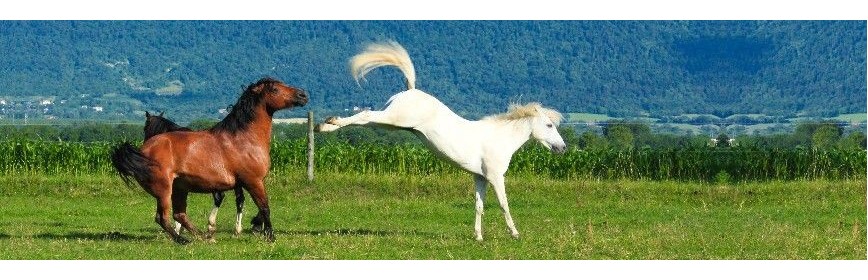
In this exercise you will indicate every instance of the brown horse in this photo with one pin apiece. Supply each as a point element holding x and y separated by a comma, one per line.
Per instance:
<point>157,124</point>
<point>235,152</point>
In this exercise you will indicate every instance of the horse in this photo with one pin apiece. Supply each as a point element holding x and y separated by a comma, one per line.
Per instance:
<point>483,148</point>
<point>157,124</point>
<point>233,153</point>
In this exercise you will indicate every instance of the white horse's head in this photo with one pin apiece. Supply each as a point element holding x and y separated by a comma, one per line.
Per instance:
<point>543,124</point>
<point>544,128</point>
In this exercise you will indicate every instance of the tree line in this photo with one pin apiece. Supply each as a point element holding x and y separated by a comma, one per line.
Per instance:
<point>617,135</point>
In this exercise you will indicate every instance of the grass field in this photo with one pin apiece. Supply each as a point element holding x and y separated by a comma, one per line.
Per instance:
<point>350,216</point>
<point>858,117</point>
<point>587,117</point>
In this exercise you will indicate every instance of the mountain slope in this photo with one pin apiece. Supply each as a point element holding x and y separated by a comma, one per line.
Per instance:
<point>192,69</point>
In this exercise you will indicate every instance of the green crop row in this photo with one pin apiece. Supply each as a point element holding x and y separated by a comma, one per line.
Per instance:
<point>703,164</point>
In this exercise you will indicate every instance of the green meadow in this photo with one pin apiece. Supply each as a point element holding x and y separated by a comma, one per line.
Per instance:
<point>382,216</point>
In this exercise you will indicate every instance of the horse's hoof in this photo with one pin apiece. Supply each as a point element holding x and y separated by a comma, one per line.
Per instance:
<point>515,236</point>
<point>269,236</point>
<point>331,120</point>
<point>479,238</point>
<point>182,241</point>
<point>211,240</point>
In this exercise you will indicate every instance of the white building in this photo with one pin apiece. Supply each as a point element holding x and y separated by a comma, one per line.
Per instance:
<point>97,108</point>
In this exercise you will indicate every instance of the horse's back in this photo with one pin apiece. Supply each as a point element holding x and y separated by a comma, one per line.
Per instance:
<point>415,107</point>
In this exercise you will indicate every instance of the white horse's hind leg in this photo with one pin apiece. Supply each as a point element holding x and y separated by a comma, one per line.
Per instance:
<point>381,117</point>
<point>500,190</point>
<point>326,127</point>
<point>481,183</point>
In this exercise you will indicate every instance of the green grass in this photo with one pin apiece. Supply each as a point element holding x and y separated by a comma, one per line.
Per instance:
<point>858,117</point>
<point>351,216</point>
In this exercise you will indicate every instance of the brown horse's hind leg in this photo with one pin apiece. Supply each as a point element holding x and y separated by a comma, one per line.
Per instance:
<point>164,219</point>
<point>179,211</point>
<point>263,218</point>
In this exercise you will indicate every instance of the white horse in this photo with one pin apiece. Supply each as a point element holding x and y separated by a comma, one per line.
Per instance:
<point>483,148</point>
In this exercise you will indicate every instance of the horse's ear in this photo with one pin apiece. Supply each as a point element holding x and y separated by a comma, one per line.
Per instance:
<point>258,88</point>
<point>161,114</point>
<point>147,115</point>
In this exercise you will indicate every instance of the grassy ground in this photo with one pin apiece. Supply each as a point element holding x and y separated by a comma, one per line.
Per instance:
<point>348,216</point>
<point>587,117</point>
<point>858,117</point>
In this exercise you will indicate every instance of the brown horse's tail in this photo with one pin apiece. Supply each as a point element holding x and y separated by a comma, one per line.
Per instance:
<point>131,164</point>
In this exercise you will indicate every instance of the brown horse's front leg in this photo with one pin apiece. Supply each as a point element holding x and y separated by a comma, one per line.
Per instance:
<point>263,218</point>
<point>239,208</point>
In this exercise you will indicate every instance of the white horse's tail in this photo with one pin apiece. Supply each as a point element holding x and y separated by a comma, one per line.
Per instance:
<point>383,54</point>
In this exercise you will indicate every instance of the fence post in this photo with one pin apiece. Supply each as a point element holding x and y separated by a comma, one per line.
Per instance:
<point>310,146</point>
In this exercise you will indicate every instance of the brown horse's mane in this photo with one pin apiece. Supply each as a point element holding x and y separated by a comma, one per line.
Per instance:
<point>243,112</point>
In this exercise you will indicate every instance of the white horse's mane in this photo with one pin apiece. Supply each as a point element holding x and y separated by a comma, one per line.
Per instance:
<point>383,54</point>
<point>533,109</point>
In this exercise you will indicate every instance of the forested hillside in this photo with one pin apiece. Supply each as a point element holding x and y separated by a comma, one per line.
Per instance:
<point>113,70</point>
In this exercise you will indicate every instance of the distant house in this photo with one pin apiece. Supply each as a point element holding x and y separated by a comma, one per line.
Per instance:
<point>223,111</point>
<point>97,108</point>
<point>2,102</point>
<point>45,102</point>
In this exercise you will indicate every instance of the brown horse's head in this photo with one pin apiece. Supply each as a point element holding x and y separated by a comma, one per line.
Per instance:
<point>267,93</point>
<point>277,96</point>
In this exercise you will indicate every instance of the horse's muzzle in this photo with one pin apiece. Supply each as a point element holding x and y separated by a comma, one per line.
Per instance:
<point>559,149</point>
<point>301,98</point>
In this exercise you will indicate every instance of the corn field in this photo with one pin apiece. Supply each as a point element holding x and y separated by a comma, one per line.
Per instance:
<point>690,164</point>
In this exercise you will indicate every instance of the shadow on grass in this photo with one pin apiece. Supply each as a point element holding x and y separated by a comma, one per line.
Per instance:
<point>109,236</point>
<point>5,236</point>
<point>355,232</point>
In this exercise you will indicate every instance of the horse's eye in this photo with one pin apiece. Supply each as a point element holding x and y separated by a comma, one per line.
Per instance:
<point>549,125</point>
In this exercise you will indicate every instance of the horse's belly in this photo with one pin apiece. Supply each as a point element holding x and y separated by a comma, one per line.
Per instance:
<point>194,183</point>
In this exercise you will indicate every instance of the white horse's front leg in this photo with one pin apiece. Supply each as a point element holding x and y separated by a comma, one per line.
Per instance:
<point>500,190</point>
<point>481,183</point>
<point>212,222</point>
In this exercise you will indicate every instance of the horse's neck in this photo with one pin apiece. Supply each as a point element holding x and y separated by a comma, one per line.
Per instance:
<point>258,132</point>
<point>261,126</point>
<point>512,134</point>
